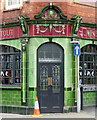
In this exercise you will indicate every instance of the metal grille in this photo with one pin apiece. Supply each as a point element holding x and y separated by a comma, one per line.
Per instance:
<point>9,65</point>
<point>88,65</point>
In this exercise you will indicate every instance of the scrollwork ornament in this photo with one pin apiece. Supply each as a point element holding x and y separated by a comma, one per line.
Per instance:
<point>42,31</point>
<point>59,31</point>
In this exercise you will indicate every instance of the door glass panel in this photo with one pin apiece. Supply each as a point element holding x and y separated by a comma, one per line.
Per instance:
<point>50,53</point>
<point>56,78</point>
<point>43,77</point>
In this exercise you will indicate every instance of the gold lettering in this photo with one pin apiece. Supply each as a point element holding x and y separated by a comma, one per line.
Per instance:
<point>11,32</point>
<point>95,33</point>
<point>4,33</point>
<point>1,33</point>
<point>8,34</point>
<point>90,33</point>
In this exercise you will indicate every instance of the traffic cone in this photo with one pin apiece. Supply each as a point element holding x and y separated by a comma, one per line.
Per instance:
<point>36,109</point>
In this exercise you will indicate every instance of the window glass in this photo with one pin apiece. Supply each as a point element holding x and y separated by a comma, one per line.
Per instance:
<point>9,65</point>
<point>50,53</point>
<point>88,65</point>
<point>11,4</point>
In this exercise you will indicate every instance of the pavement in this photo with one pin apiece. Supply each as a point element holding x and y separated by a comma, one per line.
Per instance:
<point>87,112</point>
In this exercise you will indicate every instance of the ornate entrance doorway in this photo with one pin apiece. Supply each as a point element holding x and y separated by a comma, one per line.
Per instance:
<point>50,78</point>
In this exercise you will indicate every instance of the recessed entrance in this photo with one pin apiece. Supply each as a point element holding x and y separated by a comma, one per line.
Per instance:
<point>50,82</point>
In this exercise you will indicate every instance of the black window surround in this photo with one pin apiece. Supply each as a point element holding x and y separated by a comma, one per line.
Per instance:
<point>88,64</point>
<point>10,66</point>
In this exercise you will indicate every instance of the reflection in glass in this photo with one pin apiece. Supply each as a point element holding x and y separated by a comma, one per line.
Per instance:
<point>88,64</point>
<point>9,65</point>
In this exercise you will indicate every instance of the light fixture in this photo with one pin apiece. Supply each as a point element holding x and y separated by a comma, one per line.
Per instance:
<point>51,5</point>
<point>74,42</point>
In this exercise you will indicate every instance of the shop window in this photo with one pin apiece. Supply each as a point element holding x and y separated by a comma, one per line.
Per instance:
<point>10,59</point>
<point>88,65</point>
<point>12,4</point>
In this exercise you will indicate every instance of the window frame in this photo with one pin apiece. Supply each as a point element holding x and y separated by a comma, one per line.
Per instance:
<point>88,65</point>
<point>16,6</point>
<point>16,52</point>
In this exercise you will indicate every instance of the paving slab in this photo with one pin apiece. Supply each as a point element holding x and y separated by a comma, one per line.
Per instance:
<point>88,112</point>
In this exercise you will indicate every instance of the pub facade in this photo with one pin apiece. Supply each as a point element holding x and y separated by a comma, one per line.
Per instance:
<point>37,59</point>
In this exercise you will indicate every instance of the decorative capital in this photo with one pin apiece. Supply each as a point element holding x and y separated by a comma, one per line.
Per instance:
<point>24,42</point>
<point>76,25</point>
<point>23,24</point>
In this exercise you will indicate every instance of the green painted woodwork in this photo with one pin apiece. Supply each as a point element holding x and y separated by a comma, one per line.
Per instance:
<point>76,24</point>
<point>86,4</point>
<point>70,75</point>
<point>89,98</point>
<point>85,42</point>
<point>23,24</point>
<point>54,7</point>
<point>0,97</point>
<point>95,42</point>
<point>13,43</point>
<point>73,77</point>
<point>34,43</point>
<point>14,24</point>
<point>29,22</point>
<point>27,72</point>
<point>65,43</point>
<point>11,97</point>
<point>24,77</point>
<point>69,101</point>
<point>32,95</point>
<point>24,70</point>
<point>10,88</point>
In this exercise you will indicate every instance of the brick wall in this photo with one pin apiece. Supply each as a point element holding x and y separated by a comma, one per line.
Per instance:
<point>68,8</point>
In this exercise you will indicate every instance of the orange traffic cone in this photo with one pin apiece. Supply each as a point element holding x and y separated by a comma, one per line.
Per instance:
<point>36,109</point>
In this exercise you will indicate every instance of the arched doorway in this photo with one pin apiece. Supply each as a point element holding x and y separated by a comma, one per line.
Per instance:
<point>50,82</point>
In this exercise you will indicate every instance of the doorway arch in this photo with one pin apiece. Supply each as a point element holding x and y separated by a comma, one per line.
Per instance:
<point>50,80</point>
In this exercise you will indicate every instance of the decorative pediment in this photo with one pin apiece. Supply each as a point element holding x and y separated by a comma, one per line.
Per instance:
<point>50,12</point>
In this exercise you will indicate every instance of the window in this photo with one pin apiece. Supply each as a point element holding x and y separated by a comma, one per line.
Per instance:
<point>88,64</point>
<point>50,52</point>
<point>11,4</point>
<point>10,59</point>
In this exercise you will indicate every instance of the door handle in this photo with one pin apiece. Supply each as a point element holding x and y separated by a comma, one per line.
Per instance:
<point>50,81</point>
